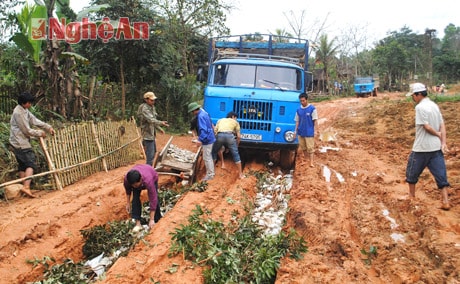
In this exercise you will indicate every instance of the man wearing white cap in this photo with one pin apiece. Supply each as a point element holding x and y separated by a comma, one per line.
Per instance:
<point>147,116</point>
<point>429,144</point>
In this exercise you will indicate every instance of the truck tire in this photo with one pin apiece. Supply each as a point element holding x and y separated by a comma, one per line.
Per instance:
<point>287,159</point>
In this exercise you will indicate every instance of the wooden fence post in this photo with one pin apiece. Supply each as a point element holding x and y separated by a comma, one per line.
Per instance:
<point>50,163</point>
<point>96,138</point>
<point>140,141</point>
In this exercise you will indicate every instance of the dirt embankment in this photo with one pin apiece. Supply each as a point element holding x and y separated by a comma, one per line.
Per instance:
<point>353,201</point>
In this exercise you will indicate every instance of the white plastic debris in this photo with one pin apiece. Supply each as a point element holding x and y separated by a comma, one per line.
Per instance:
<point>99,264</point>
<point>271,203</point>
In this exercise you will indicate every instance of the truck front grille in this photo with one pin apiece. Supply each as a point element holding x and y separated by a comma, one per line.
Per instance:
<point>254,114</point>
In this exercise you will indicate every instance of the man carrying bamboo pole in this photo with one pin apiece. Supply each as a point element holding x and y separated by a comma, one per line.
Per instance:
<point>138,178</point>
<point>21,132</point>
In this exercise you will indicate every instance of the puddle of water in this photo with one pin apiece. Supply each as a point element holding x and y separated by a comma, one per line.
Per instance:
<point>340,177</point>
<point>393,224</point>
<point>328,136</point>
<point>327,173</point>
<point>324,149</point>
<point>398,237</point>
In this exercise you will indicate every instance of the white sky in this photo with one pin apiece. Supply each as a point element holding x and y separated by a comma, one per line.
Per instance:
<point>375,18</point>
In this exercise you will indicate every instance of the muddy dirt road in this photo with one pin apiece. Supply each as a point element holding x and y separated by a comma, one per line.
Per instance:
<point>354,198</point>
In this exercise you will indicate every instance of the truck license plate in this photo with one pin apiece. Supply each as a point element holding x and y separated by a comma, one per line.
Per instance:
<point>251,136</point>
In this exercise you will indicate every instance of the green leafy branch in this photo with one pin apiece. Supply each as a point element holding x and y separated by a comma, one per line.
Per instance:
<point>370,255</point>
<point>235,253</point>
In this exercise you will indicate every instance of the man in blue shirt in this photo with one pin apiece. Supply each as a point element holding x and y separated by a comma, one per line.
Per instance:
<point>205,138</point>
<point>305,121</point>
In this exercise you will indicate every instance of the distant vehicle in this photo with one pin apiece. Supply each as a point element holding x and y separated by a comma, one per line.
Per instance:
<point>260,80</point>
<point>365,86</point>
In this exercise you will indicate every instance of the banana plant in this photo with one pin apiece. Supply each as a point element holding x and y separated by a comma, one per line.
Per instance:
<point>55,64</point>
<point>24,39</point>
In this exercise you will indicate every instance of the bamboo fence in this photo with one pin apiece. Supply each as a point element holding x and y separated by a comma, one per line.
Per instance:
<point>80,150</point>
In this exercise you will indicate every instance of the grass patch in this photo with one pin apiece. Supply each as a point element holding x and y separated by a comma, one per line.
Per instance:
<point>444,98</point>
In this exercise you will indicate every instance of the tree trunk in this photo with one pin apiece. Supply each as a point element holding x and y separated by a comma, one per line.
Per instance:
<point>91,95</point>
<point>55,76</point>
<point>123,87</point>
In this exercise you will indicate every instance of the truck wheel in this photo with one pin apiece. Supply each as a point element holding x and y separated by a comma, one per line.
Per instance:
<point>287,159</point>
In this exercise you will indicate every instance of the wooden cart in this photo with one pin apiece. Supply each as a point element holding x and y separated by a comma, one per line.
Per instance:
<point>178,162</point>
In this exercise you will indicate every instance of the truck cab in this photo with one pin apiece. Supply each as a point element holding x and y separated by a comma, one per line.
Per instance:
<point>365,86</point>
<point>261,82</point>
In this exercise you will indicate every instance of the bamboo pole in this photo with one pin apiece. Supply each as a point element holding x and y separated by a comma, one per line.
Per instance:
<point>73,156</point>
<point>56,154</point>
<point>77,150</point>
<point>96,138</point>
<point>66,149</point>
<point>105,143</point>
<point>139,135</point>
<point>76,139</point>
<point>88,150</point>
<point>50,163</point>
<point>109,143</point>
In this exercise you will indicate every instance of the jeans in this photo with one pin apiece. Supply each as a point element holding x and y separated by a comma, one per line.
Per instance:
<point>136,206</point>
<point>418,161</point>
<point>208,161</point>
<point>227,140</point>
<point>150,148</point>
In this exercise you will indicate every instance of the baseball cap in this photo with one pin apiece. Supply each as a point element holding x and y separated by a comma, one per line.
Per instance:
<point>416,88</point>
<point>150,95</point>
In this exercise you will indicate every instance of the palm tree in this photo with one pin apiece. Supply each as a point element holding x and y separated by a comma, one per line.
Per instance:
<point>325,53</point>
<point>281,35</point>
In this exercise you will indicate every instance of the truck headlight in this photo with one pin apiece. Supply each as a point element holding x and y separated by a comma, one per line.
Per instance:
<point>289,136</point>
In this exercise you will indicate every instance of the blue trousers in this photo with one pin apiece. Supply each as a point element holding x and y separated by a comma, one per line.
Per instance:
<point>434,161</point>
<point>150,148</point>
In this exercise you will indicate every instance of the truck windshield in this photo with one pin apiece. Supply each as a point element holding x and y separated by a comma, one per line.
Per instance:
<point>366,80</point>
<point>257,76</point>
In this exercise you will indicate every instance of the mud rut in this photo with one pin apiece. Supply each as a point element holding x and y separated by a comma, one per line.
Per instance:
<point>337,218</point>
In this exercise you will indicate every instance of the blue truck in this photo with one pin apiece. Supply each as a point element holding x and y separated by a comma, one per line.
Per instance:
<point>365,86</point>
<point>261,82</point>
